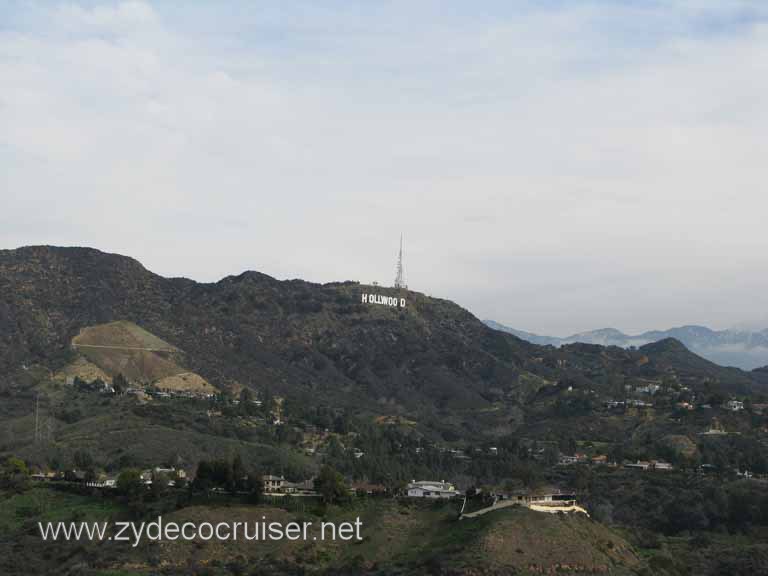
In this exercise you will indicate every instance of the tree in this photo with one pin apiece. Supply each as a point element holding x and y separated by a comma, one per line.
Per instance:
<point>14,475</point>
<point>120,384</point>
<point>331,486</point>
<point>160,483</point>
<point>341,424</point>
<point>603,512</point>
<point>569,445</point>
<point>716,400</point>
<point>267,401</point>
<point>239,475</point>
<point>204,476</point>
<point>129,484</point>
<point>551,455</point>
<point>247,406</point>
<point>528,473</point>
<point>82,459</point>
<point>254,486</point>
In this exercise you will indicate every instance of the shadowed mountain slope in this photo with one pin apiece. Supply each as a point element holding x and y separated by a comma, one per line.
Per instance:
<point>430,360</point>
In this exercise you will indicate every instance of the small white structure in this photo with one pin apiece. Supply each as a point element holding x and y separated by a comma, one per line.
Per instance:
<point>650,389</point>
<point>639,403</point>
<point>103,483</point>
<point>734,405</point>
<point>431,489</point>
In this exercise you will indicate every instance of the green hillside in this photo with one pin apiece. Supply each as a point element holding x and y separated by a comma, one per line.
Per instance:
<point>397,538</point>
<point>310,376</point>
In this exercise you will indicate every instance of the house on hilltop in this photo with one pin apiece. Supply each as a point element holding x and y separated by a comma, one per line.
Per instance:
<point>431,489</point>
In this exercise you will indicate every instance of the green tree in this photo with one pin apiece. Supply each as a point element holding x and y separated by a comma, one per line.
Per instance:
<point>239,474</point>
<point>331,486</point>
<point>551,455</point>
<point>120,383</point>
<point>14,475</point>
<point>82,460</point>
<point>254,486</point>
<point>160,483</point>
<point>246,402</point>
<point>129,484</point>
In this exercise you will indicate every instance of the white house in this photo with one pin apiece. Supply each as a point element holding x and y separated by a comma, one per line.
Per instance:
<point>734,405</point>
<point>431,489</point>
<point>272,483</point>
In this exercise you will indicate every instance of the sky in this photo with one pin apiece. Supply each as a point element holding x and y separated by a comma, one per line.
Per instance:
<point>556,166</point>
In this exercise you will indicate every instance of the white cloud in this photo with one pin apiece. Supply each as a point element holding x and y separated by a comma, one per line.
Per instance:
<point>557,170</point>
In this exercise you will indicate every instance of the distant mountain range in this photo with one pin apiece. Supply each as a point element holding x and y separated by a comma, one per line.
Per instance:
<point>744,349</point>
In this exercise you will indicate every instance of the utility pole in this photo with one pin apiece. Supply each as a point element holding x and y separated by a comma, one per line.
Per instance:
<point>37,417</point>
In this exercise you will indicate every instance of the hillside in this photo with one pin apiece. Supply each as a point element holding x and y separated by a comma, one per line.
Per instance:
<point>398,538</point>
<point>430,361</point>
<point>124,348</point>
<point>295,337</point>
<point>383,386</point>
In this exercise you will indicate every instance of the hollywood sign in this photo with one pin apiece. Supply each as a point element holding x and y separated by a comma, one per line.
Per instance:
<point>385,300</point>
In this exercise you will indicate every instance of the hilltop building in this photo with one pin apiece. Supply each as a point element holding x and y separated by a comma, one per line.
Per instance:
<point>431,489</point>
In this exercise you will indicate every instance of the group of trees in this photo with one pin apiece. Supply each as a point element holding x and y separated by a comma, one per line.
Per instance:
<point>674,503</point>
<point>331,487</point>
<point>14,475</point>
<point>228,474</point>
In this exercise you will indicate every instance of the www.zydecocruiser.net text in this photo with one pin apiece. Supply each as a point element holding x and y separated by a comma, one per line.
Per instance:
<point>158,530</point>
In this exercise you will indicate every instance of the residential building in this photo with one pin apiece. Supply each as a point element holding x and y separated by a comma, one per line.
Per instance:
<point>650,389</point>
<point>273,484</point>
<point>431,489</point>
<point>546,496</point>
<point>639,403</point>
<point>734,405</point>
<point>368,489</point>
<point>305,487</point>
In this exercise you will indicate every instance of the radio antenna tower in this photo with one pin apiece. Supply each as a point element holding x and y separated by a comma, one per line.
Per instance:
<point>400,278</point>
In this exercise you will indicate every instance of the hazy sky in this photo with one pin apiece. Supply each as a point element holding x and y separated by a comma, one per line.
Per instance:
<point>555,166</point>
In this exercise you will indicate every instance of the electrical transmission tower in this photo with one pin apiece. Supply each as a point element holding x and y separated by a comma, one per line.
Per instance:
<point>400,278</point>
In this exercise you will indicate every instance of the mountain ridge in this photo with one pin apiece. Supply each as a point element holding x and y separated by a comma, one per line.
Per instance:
<point>744,349</point>
<point>431,361</point>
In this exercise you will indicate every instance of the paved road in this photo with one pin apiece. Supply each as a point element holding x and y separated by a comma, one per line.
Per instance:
<point>498,505</point>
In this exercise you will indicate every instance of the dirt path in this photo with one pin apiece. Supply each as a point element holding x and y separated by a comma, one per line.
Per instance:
<point>123,347</point>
